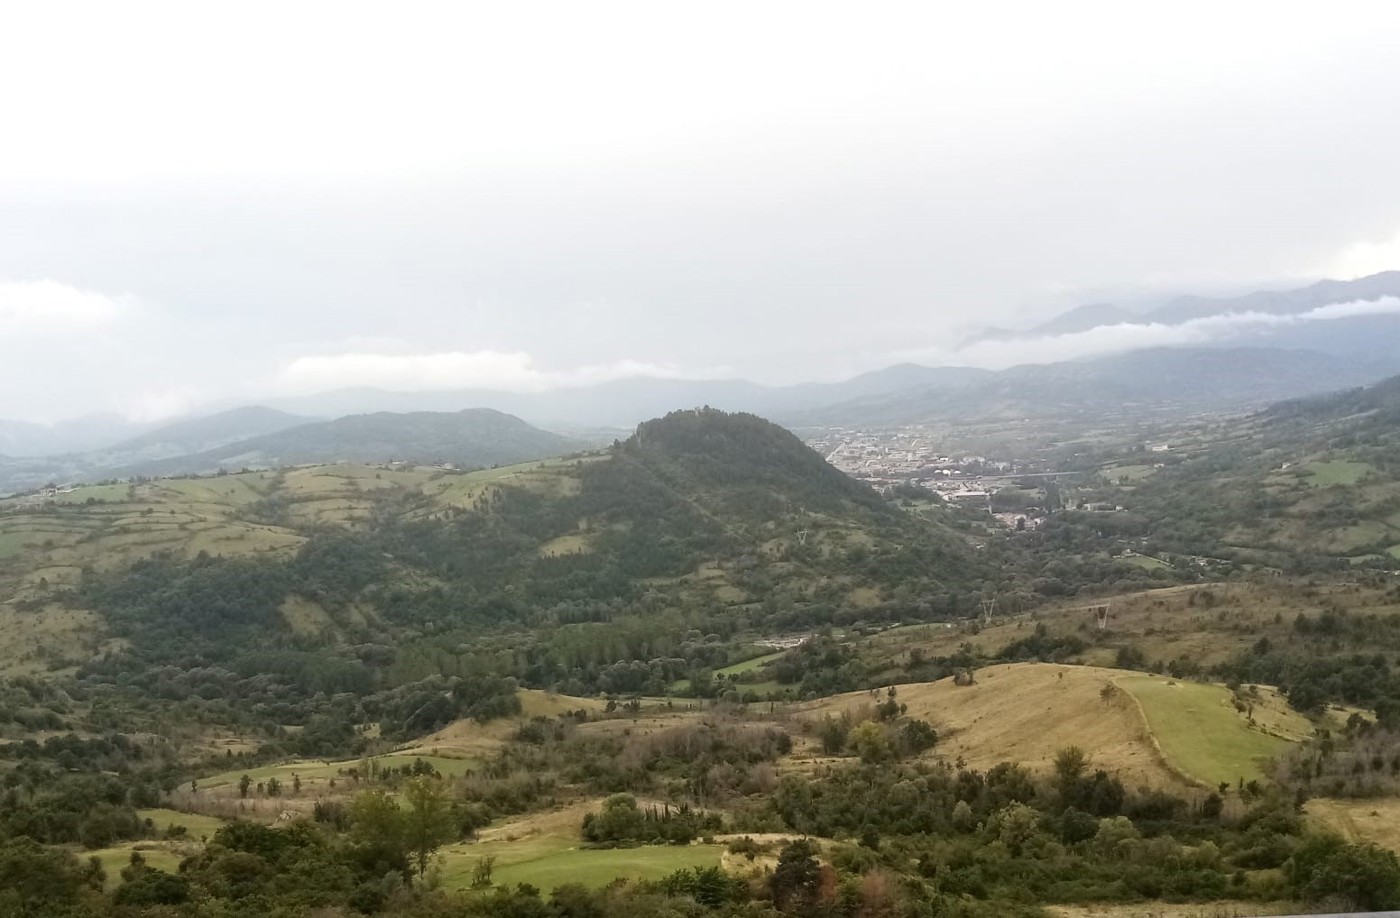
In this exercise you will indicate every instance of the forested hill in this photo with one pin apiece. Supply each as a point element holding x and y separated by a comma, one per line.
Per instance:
<point>472,438</point>
<point>593,573</point>
<point>745,464</point>
<point>1377,405</point>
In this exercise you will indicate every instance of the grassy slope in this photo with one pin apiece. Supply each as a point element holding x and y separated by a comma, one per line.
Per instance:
<point>1207,623</point>
<point>1325,473</point>
<point>1028,712</point>
<point>158,855</point>
<point>1201,733</point>
<point>47,546</point>
<point>749,665</point>
<point>197,826</point>
<point>543,849</point>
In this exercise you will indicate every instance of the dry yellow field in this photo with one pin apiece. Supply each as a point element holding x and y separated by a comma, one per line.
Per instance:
<point>1376,821</point>
<point>472,740</point>
<point>1175,910</point>
<point>1027,712</point>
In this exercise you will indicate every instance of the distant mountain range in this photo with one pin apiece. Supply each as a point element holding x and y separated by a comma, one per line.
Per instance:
<point>475,437</point>
<point>1248,363</point>
<point>265,438</point>
<point>622,404</point>
<point>1141,383</point>
<point>197,435</point>
<point>1372,336</point>
<point>75,435</point>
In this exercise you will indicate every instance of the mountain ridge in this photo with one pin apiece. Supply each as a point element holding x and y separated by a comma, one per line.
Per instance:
<point>1180,309</point>
<point>468,438</point>
<point>1158,378</point>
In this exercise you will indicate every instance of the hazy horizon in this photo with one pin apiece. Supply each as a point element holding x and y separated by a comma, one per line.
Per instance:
<point>202,210</point>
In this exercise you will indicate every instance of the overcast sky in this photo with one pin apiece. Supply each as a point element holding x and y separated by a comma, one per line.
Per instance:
<point>201,202</point>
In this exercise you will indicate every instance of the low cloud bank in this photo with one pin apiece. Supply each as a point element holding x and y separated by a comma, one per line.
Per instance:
<point>514,371</point>
<point>1133,336</point>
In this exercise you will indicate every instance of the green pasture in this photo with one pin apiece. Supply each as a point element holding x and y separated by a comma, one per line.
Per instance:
<point>749,665</point>
<point>1330,472</point>
<point>197,826</point>
<point>547,861</point>
<point>1200,732</point>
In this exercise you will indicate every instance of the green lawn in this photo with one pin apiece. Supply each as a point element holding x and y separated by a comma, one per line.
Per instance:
<point>1336,472</point>
<point>1130,472</point>
<point>744,666</point>
<point>197,826</point>
<point>1200,732</point>
<point>157,856</point>
<point>749,665</point>
<point>12,543</point>
<point>1146,562</point>
<point>552,860</point>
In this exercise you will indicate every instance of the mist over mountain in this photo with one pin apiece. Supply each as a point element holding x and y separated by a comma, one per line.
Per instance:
<point>1280,302</point>
<point>626,402</point>
<point>94,431</point>
<point>1309,317</point>
<point>205,433</point>
<point>1349,331</point>
<point>1188,354</point>
<point>1145,382</point>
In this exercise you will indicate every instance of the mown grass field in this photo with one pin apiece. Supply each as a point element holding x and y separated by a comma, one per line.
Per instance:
<point>1200,732</point>
<point>1146,562</point>
<point>1330,472</point>
<point>1130,472</point>
<point>197,826</point>
<point>543,850</point>
<point>749,665</point>
<point>547,868</point>
<point>738,669</point>
<point>158,855</point>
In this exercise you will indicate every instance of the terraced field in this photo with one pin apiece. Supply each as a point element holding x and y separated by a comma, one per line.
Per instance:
<point>46,542</point>
<point>114,524</point>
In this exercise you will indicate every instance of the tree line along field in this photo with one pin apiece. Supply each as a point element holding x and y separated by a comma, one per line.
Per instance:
<point>1204,624</point>
<point>1028,712</point>
<point>1131,724</point>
